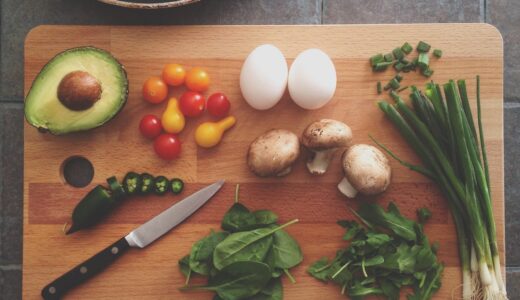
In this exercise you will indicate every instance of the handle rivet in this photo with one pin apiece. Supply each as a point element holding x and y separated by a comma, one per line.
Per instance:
<point>83,270</point>
<point>114,250</point>
<point>52,290</point>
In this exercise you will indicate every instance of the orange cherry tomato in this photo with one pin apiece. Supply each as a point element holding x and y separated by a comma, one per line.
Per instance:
<point>174,74</point>
<point>155,90</point>
<point>197,80</point>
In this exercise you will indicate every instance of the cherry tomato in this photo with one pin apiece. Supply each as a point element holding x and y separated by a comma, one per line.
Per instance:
<point>197,80</point>
<point>218,105</point>
<point>150,126</point>
<point>167,146</point>
<point>173,74</point>
<point>192,104</point>
<point>155,90</point>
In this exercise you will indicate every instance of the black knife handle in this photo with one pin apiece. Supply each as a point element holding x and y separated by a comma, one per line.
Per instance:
<point>82,272</point>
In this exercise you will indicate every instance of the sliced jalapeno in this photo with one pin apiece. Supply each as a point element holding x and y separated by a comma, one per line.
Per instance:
<point>94,206</point>
<point>132,183</point>
<point>176,185</point>
<point>147,185</point>
<point>161,185</point>
<point>117,190</point>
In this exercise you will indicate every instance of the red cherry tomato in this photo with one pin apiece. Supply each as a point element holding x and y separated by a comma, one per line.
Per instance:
<point>218,105</point>
<point>150,126</point>
<point>192,104</point>
<point>167,146</point>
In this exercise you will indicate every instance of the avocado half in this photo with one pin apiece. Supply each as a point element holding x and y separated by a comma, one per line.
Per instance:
<point>79,89</point>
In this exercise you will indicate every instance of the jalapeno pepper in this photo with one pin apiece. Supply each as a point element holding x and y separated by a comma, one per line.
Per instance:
<point>132,183</point>
<point>117,190</point>
<point>176,185</point>
<point>147,185</point>
<point>161,185</point>
<point>94,206</point>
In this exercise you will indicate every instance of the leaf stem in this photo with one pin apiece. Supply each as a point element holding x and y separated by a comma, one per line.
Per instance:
<point>291,278</point>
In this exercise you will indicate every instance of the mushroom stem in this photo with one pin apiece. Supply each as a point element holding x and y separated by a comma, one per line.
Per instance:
<point>284,172</point>
<point>346,188</point>
<point>320,161</point>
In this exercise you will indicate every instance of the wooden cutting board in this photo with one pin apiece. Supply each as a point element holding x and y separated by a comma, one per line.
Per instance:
<point>117,147</point>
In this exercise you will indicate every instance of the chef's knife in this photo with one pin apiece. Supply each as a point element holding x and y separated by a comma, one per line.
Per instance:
<point>139,238</point>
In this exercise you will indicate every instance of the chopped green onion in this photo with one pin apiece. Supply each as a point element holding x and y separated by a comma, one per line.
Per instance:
<point>423,61</point>
<point>437,53</point>
<point>398,53</point>
<point>389,57</point>
<point>423,47</point>
<point>379,87</point>
<point>392,84</point>
<point>405,61</point>
<point>399,77</point>
<point>398,66</point>
<point>381,66</point>
<point>402,89</point>
<point>427,72</point>
<point>374,60</point>
<point>407,48</point>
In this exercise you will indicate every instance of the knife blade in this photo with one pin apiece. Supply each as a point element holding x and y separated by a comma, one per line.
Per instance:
<point>140,237</point>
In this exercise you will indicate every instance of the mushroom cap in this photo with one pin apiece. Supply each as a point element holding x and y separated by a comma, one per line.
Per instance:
<point>272,153</point>
<point>325,134</point>
<point>367,169</point>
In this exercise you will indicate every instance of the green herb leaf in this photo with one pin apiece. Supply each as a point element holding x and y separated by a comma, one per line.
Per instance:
<point>272,291</point>
<point>201,255</point>
<point>391,220</point>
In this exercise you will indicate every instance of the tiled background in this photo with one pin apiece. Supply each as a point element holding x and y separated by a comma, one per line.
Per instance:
<point>19,16</point>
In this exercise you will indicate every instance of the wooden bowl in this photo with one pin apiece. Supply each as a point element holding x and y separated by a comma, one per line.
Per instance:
<point>158,4</point>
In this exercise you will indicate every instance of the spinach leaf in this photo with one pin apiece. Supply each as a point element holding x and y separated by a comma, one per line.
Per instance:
<point>201,255</point>
<point>238,218</point>
<point>184,265</point>
<point>286,251</point>
<point>272,291</point>
<point>247,245</point>
<point>391,220</point>
<point>320,269</point>
<point>265,217</point>
<point>239,280</point>
<point>269,260</point>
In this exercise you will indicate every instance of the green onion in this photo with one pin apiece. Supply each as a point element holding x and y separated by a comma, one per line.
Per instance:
<point>423,47</point>
<point>398,77</point>
<point>442,133</point>
<point>398,66</point>
<point>423,61</point>
<point>392,84</point>
<point>398,53</point>
<point>378,58</point>
<point>379,87</point>
<point>389,57</point>
<point>427,72</point>
<point>437,53</point>
<point>402,89</point>
<point>381,66</point>
<point>407,48</point>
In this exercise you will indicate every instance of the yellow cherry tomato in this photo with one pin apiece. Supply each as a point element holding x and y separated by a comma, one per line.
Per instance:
<point>197,80</point>
<point>172,119</point>
<point>209,134</point>
<point>174,74</point>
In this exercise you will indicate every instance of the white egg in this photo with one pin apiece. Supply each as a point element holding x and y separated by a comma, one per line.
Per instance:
<point>263,78</point>
<point>312,79</point>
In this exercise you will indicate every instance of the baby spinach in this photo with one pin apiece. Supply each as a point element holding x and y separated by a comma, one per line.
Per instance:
<point>246,245</point>
<point>238,280</point>
<point>246,260</point>
<point>201,255</point>
<point>387,251</point>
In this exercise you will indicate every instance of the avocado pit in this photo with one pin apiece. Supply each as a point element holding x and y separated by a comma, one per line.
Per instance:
<point>78,90</point>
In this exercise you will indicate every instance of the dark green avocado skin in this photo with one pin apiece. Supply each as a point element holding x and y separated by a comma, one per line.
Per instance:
<point>123,97</point>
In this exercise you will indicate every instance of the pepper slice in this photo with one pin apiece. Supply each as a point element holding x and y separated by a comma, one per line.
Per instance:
<point>176,185</point>
<point>94,206</point>
<point>132,183</point>
<point>147,183</point>
<point>117,190</point>
<point>160,185</point>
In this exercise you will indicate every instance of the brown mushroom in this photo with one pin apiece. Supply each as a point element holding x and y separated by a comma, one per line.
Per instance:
<point>367,171</point>
<point>323,138</point>
<point>273,153</point>
<point>79,90</point>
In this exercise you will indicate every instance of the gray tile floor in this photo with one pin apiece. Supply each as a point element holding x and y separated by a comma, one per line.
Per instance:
<point>19,16</point>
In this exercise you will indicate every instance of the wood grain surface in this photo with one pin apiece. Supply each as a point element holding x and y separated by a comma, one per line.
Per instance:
<point>117,147</point>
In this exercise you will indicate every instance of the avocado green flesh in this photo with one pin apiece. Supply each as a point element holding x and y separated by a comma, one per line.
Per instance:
<point>44,110</point>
